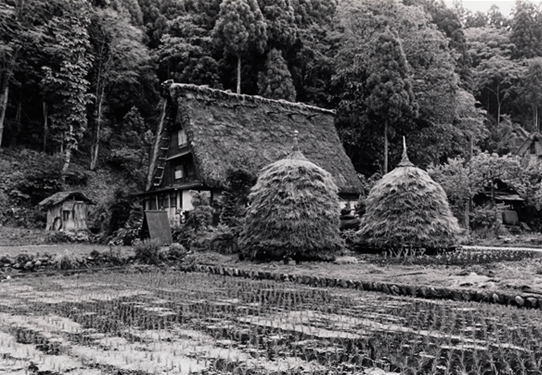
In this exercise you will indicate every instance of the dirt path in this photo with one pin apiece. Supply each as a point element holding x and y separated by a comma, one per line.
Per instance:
<point>501,248</point>
<point>76,249</point>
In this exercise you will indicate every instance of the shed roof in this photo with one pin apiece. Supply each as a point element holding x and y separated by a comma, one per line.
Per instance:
<point>64,196</point>
<point>230,131</point>
<point>525,147</point>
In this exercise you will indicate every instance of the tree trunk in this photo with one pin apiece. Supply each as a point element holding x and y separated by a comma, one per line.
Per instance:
<point>16,129</point>
<point>156,146</point>
<point>67,156</point>
<point>535,118</point>
<point>4,93</point>
<point>385,146</point>
<point>239,74</point>
<point>492,192</point>
<point>95,147</point>
<point>498,106</point>
<point>45,111</point>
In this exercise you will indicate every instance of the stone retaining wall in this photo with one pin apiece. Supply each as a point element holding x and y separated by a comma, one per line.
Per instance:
<point>519,300</point>
<point>27,263</point>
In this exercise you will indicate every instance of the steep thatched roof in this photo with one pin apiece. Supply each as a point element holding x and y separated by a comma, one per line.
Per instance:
<point>64,196</point>
<point>406,208</point>
<point>229,131</point>
<point>293,212</point>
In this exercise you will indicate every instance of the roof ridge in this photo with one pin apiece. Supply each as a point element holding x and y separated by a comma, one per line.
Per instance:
<point>243,97</point>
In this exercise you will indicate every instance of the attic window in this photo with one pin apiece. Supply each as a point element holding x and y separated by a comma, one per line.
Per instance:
<point>182,139</point>
<point>179,171</point>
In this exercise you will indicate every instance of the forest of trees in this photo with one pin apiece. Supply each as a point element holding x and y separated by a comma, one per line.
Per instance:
<point>80,78</point>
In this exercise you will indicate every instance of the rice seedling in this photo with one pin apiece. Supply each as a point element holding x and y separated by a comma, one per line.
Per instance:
<point>176,323</point>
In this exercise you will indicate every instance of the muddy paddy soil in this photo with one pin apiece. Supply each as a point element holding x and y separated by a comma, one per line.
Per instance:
<point>163,321</point>
<point>522,277</point>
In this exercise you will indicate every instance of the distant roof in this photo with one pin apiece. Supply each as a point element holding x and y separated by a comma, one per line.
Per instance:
<point>524,148</point>
<point>64,196</point>
<point>230,131</point>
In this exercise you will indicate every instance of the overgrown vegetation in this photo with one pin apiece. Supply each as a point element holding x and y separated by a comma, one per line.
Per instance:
<point>79,89</point>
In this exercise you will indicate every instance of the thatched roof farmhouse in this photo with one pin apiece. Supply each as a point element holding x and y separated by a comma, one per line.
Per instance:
<point>209,132</point>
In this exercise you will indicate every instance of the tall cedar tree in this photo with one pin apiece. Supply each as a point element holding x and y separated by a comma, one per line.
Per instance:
<point>526,30</point>
<point>185,54</point>
<point>390,98</point>
<point>239,28</point>
<point>280,18</point>
<point>275,81</point>
<point>70,61</point>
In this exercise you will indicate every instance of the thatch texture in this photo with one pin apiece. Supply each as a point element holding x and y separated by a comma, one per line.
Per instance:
<point>406,208</point>
<point>62,196</point>
<point>294,212</point>
<point>228,131</point>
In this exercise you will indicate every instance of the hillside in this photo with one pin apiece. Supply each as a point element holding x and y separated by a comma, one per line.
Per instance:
<point>27,177</point>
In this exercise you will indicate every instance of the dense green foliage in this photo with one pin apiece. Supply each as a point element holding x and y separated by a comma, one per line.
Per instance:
<point>79,79</point>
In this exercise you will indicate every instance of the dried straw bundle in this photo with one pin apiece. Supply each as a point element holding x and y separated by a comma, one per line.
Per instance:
<point>294,213</point>
<point>407,209</point>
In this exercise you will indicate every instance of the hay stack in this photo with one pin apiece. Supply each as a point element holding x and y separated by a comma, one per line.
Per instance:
<point>293,213</point>
<point>407,209</point>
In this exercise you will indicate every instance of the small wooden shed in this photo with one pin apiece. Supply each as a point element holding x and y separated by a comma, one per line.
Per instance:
<point>531,150</point>
<point>67,211</point>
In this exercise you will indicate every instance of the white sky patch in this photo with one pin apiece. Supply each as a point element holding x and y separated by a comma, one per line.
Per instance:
<point>505,6</point>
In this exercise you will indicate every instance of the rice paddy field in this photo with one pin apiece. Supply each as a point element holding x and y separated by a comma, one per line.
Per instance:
<point>170,322</point>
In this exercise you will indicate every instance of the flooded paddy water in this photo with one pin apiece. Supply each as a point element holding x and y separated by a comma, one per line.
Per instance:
<point>181,323</point>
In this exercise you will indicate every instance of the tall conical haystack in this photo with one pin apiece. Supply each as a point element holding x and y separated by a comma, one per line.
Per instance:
<point>293,213</point>
<point>406,208</point>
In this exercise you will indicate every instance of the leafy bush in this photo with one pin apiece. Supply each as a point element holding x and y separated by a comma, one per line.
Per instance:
<point>486,221</point>
<point>350,238</point>
<point>176,251</point>
<point>184,234</point>
<point>200,217</point>
<point>148,252</point>
<point>221,239</point>
<point>68,237</point>
<point>119,219</point>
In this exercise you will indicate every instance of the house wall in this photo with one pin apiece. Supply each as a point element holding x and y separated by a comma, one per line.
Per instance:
<point>54,217</point>
<point>187,200</point>
<point>175,202</point>
<point>179,171</point>
<point>67,216</point>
